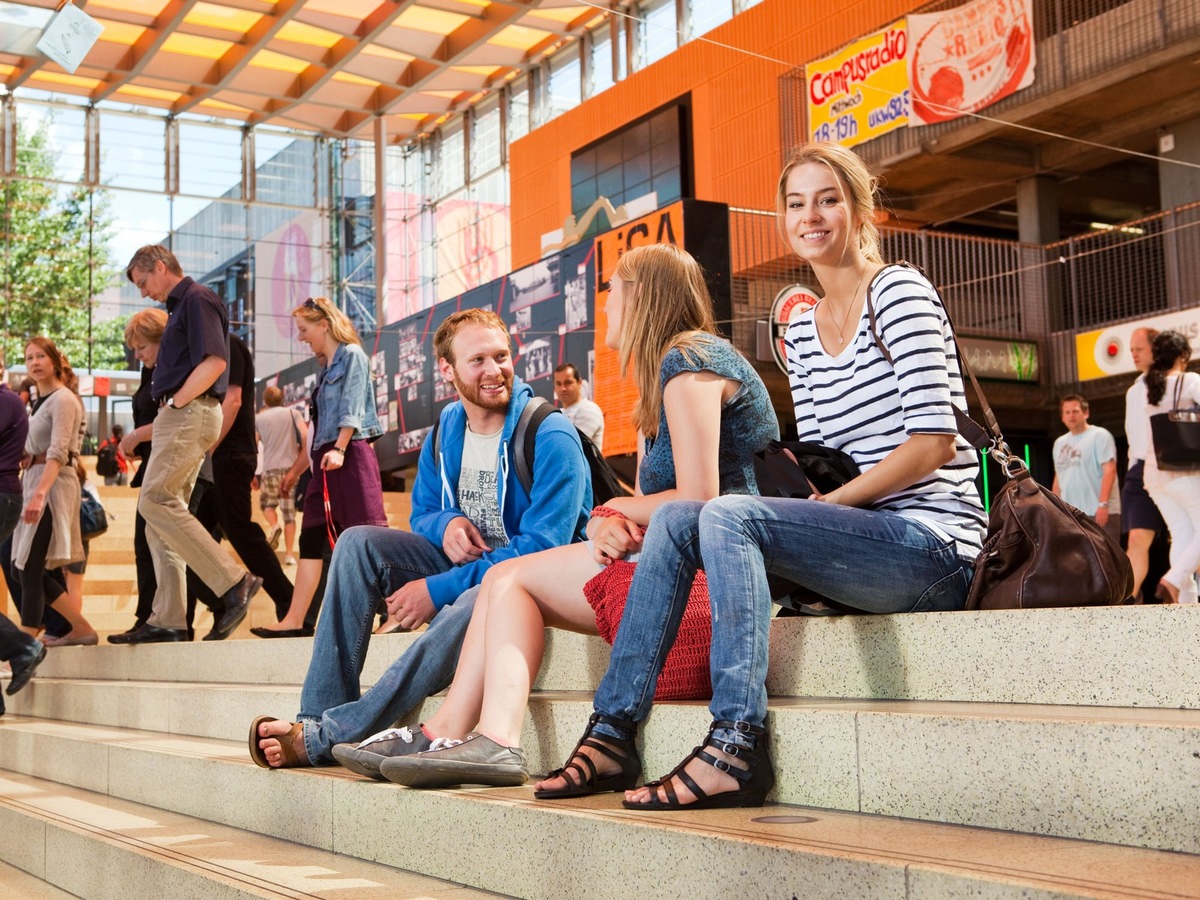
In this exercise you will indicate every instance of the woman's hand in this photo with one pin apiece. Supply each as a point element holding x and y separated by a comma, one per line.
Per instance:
<point>333,459</point>
<point>129,443</point>
<point>615,538</point>
<point>34,508</point>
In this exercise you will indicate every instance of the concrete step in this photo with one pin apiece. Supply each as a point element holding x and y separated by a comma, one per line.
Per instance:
<point>503,840</point>
<point>1125,776</point>
<point>92,845</point>
<point>1113,656</point>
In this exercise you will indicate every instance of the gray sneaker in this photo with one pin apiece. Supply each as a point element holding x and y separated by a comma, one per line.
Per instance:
<point>365,757</point>
<point>476,760</point>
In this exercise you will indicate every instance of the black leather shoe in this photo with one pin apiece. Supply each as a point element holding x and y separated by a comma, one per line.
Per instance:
<point>150,634</point>
<point>237,604</point>
<point>280,632</point>
<point>24,665</point>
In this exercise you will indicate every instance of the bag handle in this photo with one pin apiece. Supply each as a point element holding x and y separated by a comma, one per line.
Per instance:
<point>975,434</point>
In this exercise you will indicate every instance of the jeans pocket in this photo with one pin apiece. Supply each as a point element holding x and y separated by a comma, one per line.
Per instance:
<point>947,593</point>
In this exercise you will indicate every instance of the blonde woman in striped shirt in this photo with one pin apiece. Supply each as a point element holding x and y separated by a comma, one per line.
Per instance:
<point>900,537</point>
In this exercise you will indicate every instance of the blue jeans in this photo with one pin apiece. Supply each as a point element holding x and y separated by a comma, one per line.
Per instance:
<point>371,563</point>
<point>878,562</point>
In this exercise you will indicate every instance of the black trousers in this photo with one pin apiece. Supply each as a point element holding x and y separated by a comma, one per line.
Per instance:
<point>233,474</point>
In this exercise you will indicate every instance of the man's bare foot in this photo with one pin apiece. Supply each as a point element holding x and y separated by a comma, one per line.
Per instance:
<point>282,743</point>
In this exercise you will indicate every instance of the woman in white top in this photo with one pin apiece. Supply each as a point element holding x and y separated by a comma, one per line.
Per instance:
<point>1176,494</point>
<point>48,536</point>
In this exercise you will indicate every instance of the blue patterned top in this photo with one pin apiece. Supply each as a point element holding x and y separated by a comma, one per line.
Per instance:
<point>748,422</point>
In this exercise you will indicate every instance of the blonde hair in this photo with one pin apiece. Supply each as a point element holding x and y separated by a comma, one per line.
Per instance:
<point>316,309</point>
<point>666,305</point>
<point>857,184</point>
<point>147,324</point>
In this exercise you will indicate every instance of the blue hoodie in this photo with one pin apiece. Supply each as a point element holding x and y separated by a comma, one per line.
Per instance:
<point>555,513</point>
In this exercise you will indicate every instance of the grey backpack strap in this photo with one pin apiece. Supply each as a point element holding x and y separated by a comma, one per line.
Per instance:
<point>521,459</point>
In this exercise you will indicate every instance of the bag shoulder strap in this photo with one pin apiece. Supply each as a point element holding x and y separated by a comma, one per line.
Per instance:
<point>976,435</point>
<point>524,446</point>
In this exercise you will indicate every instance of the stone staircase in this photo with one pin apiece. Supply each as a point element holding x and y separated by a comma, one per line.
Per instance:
<point>1041,754</point>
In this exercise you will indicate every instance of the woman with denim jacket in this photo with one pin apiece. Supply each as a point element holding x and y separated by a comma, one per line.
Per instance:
<point>340,456</point>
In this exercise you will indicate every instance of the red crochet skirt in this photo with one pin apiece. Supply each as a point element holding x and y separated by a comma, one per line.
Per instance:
<point>685,674</point>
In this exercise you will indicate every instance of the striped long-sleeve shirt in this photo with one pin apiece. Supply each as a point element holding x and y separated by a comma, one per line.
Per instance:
<point>859,403</point>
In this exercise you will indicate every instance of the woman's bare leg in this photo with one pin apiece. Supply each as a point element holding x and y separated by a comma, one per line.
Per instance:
<point>308,576</point>
<point>503,648</point>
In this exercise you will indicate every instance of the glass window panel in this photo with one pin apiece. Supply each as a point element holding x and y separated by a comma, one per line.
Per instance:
<point>600,69</point>
<point>611,184</point>
<point>705,15</point>
<point>583,166</point>
<point>210,160</point>
<point>656,33</point>
<point>518,108</point>
<point>485,138</point>
<point>286,168</point>
<point>64,132</point>
<point>451,172</point>
<point>635,140</point>
<point>565,91</point>
<point>133,152</point>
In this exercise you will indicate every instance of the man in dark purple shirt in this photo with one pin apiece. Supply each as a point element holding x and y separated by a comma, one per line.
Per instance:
<point>190,380</point>
<point>22,651</point>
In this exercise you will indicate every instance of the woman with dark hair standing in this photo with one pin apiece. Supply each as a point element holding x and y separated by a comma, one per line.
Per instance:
<point>1176,494</point>
<point>341,458</point>
<point>48,536</point>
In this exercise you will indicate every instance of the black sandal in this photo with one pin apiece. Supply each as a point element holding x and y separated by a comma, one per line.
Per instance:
<point>587,781</point>
<point>754,782</point>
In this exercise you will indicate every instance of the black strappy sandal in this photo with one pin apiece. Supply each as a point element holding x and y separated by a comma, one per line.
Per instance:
<point>754,782</point>
<point>587,780</point>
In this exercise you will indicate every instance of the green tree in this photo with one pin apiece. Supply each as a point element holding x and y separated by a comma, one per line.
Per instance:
<point>56,258</point>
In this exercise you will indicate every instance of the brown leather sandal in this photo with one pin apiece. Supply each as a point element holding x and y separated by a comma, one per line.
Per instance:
<point>292,758</point>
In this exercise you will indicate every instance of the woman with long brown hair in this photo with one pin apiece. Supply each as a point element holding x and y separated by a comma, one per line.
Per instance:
<point>48,536</point>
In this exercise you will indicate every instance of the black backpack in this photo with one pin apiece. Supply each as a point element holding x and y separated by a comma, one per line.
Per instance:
<point>106,459</point>
<point>605,483</point>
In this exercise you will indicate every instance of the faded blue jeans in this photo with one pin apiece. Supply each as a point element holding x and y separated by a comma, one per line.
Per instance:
<point>371,563</point>
<point>878,562</point>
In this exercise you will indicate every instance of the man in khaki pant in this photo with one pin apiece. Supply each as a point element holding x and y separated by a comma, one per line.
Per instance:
<point>189,383</point>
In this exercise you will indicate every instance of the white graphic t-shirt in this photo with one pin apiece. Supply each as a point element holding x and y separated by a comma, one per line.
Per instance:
<point>478,487</point>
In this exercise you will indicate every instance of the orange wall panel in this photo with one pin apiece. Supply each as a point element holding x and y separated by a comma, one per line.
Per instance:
<point>735,110</point>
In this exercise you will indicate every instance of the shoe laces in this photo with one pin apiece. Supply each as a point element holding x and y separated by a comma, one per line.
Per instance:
<point>404,733</point>
<point>444,743</point>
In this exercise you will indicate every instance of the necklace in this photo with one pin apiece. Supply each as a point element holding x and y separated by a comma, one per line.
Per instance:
<point>849,307</point>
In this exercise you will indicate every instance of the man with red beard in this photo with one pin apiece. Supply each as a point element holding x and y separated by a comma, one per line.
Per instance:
<point>469,512</point>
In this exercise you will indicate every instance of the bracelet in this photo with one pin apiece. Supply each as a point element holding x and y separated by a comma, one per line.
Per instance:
<point>338,449</point>
<point>607,512</point>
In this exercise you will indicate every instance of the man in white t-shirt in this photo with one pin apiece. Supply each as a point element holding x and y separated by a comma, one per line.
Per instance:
<point>284,433</point>
<point>585,415</point>
<point>1085,461</point>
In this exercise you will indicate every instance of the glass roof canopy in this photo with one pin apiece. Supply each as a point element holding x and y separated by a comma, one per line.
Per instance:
<point>325,66</point>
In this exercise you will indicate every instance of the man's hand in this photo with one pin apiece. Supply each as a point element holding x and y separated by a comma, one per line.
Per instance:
<point>615,538</point>
<point>462,542</point>
<point>1102,515</point>
<point>411,606</point>
<point>129,443</point>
